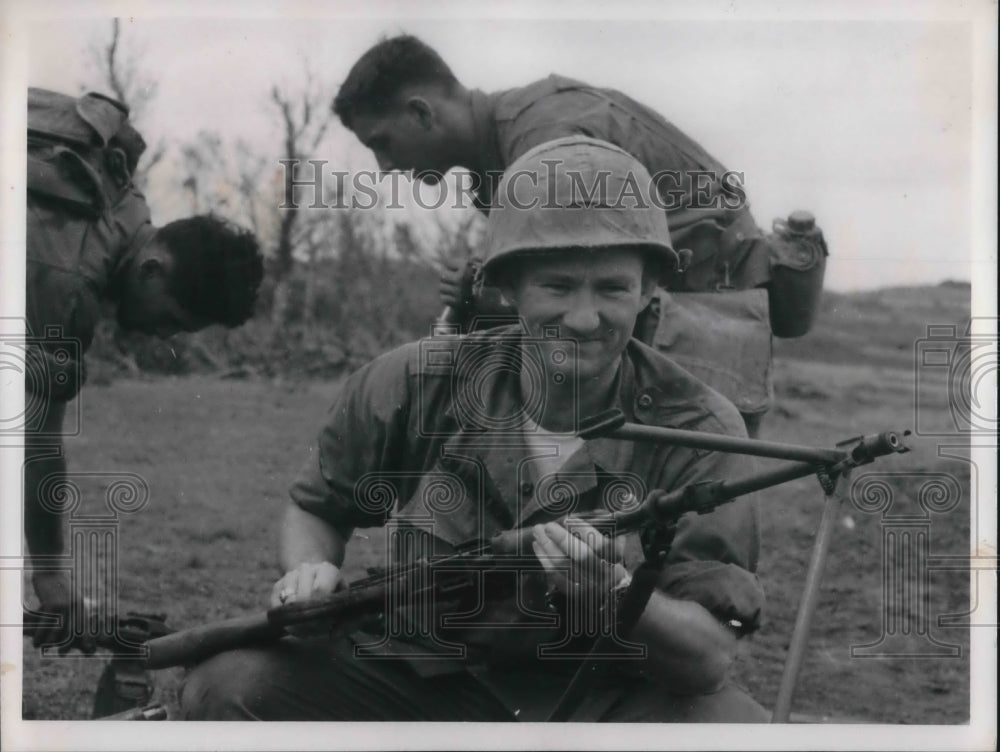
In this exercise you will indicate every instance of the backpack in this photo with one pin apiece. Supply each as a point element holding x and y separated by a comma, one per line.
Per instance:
<point>82,152</point>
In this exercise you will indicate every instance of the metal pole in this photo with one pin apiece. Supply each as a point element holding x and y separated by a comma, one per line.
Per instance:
<point>810,597</point>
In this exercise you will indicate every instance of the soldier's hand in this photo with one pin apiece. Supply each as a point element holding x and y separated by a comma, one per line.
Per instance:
<point>456,285</point>
<point>579,561</point>
<point>305,582</point>
<point>73,614</point>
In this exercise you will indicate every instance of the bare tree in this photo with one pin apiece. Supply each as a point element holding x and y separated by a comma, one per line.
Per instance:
<point>119,71</point>
<point>251,169</point>
<point>305,121</point>
<point>205,172</point>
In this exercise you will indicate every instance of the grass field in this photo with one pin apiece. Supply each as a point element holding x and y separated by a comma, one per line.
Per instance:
<point>219,455</point>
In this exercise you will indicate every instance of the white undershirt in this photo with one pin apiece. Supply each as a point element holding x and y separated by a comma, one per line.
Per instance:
<point>549,451</point>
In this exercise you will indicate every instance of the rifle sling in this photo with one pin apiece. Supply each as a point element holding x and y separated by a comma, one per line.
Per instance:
<point>632,604</point>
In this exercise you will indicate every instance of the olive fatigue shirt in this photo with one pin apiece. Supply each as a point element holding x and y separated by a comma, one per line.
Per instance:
<point>73,262</point>
<point>426,438</point>
<point>721,235</point>
<point>83,225</point>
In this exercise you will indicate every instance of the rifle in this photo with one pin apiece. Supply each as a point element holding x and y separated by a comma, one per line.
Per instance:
<point>460,570</point>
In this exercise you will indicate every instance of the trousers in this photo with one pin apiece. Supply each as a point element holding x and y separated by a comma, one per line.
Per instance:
<point>321,680</point>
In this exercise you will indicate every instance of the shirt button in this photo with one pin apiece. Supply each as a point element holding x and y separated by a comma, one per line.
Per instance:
<point>645,401</point>
<point>527,489</point>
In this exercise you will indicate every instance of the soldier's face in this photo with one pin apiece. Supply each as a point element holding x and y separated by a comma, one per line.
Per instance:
<point>589,298</point>
<point>403,140</point>
<point>148,306</point>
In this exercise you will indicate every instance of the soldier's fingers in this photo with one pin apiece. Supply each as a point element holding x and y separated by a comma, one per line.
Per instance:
<point>619,573</point>
<point>543,557</point>
<point>601,544</point>
<point>326,579</point>
<point>552,554</point>
<point>618,545</point>
<point>574,547</point>
<point>555,576</point>
<point>304,583</point>
<point>284,589</point>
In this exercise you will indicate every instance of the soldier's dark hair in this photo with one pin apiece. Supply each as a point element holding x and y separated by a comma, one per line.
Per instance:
<point>218,268</point>
<point>383,71</point>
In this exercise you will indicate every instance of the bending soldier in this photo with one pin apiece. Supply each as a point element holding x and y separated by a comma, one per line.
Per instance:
<point>90,240</point>
<point>404,103</point>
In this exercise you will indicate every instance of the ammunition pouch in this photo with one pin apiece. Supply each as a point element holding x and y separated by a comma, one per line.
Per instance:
<point>722,257</point>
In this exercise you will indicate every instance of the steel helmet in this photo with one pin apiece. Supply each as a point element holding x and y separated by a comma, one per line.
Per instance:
<point>575,192</point>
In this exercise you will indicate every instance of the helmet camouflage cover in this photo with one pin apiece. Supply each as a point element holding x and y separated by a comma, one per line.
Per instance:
<point>575,192</point>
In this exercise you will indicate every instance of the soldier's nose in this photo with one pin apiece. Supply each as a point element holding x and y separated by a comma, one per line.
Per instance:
<point>582,321</point>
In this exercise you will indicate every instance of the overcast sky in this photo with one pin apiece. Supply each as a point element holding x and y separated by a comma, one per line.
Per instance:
<point>867,123</point>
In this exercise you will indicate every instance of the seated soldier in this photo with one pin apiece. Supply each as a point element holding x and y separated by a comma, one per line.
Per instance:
<point>474,435</point>
<point>90,240</point>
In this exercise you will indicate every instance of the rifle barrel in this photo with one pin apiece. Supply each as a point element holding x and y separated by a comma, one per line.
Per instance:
<point>666,507</point>
<point>671,506</point>
<point>721,443</point>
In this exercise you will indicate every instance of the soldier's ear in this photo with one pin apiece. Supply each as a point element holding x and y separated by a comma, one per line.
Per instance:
<point>648,289</point>
<point>151,267</point>
<point>422,110</point>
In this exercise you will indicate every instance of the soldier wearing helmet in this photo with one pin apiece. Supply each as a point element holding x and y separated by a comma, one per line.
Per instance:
<point>404,103</point>
<point>450,440</point>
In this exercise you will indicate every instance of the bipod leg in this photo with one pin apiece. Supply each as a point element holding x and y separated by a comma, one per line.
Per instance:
<point>810,598</point>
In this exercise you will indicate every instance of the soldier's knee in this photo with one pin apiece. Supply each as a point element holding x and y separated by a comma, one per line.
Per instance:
<point>228,686</point>
<point>650,704</point>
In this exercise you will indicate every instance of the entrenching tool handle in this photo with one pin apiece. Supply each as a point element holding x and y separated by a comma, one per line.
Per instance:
<point>190,646</point>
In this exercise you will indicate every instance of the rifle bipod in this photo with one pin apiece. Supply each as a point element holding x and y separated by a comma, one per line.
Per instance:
<point>832,469</point>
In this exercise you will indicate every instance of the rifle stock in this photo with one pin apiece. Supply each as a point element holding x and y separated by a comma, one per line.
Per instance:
<point>361,598</point>
<point>190,646</point>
